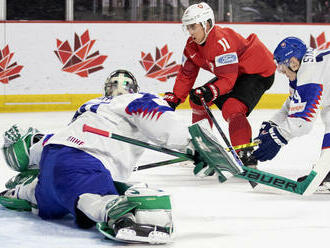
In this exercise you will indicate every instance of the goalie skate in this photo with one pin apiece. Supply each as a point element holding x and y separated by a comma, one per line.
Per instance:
<point>126,230</point>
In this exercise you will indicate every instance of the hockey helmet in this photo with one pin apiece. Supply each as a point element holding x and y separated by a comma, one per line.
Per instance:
<point>198,13</point>
<point>120,82</point>
<point>288,48</point>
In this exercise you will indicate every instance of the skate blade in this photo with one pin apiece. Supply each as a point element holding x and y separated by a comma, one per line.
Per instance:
<point>154,237</point>
<point>324,188</point>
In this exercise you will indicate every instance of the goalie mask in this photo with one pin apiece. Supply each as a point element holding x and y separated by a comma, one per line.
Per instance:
<point>120,82</point>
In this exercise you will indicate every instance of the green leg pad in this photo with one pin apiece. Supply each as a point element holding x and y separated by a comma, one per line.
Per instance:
<point>15,204</point>
<point>23,177</point>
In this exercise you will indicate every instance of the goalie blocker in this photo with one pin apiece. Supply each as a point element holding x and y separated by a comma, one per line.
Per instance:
<point>210,156</point>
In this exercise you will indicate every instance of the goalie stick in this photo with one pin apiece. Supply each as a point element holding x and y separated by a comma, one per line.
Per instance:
<point>229,146</point>
<point>178,160</point>
<point>249,174</point>
<point>104,133</point>
<point>161,163</point>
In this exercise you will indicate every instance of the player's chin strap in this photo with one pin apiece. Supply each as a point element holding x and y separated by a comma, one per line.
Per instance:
<point>249,174</point>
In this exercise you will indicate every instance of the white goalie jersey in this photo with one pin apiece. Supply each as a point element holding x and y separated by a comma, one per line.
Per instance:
<point>309,95</point>
<point>141,116</point>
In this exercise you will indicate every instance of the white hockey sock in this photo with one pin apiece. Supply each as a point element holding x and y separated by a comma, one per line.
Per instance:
<point>27,192</point>
<point>94,206</point>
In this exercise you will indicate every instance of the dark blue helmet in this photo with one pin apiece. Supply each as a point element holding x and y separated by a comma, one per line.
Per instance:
<point>288,48</point>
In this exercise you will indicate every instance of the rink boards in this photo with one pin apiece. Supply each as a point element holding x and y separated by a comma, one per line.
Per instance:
<point>69,61</point>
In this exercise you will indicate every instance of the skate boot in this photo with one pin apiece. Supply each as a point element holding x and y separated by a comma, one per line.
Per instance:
<point>126,229</point>
<point>247,157</point>
<point>324,186</point>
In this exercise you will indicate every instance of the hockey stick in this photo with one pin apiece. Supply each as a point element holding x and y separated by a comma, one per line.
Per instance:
<point>178,160</point>
<point>244,146</point>
<point>157,164</point>
<point>249,174</point>
<point>229,146</point>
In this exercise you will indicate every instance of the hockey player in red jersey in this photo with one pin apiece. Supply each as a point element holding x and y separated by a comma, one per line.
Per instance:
<point>243,68</point>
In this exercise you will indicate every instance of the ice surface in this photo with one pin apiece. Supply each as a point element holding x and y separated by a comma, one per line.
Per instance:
<point>206,213</point>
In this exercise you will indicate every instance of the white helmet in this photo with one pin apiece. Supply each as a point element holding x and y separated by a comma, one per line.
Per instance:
<point>199,13</point>
<point>120,82</point>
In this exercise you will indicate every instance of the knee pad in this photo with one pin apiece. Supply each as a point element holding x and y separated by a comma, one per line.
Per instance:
<point>233,106</point>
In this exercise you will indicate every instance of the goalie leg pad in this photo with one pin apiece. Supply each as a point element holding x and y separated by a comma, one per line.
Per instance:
<point>107,208</point>
<point>14,203</point>
<point>154,206</point>
<point>21,198</point>
<point>23,177</point>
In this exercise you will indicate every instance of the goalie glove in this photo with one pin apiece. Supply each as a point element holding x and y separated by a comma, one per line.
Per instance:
<point>12,135</point>
<point>271,142</point>
<point>17,144</point>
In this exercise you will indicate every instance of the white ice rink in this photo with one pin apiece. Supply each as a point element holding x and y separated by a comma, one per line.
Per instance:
<point>206,213</point>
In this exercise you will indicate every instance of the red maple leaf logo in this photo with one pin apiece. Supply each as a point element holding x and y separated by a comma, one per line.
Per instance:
<point>159,68</point>
<point>8,71</point>
<point>320,42</point>
<point>78,61</point>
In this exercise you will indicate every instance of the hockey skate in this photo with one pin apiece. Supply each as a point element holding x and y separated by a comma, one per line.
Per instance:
<point>324,186</point>
<point>247,157</point>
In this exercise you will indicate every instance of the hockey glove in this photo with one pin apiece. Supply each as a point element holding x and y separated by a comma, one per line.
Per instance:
<point>172,100</point>
<point>208,91</point>
<point>265,126</point>
<point>271,142</point>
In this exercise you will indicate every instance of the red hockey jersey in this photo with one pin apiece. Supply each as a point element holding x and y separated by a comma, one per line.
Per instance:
<point>227,55</point>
